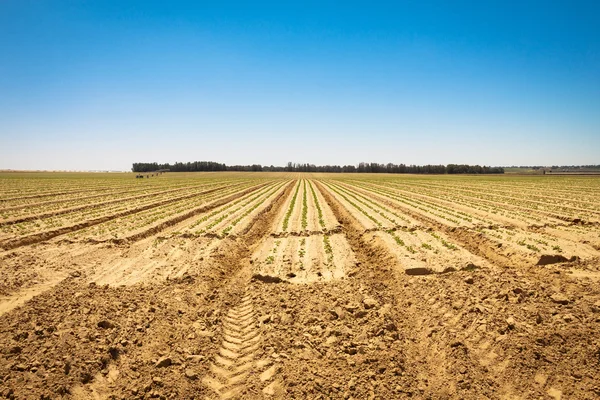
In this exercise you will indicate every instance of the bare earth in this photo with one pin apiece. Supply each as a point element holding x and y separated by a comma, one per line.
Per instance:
<point>279,286</point>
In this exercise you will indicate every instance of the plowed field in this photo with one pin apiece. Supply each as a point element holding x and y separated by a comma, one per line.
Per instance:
<point>275,285</point>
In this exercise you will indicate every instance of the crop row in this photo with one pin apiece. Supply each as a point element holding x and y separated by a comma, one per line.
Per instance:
<point>55,222</point>
<point>290,210</point>
<point>37,190</point>
<point>398,234</point>
<point>125,226</point>
<point>304,207</point>
<point>326,242</point>
<point>249,210</point>
<point>566,198</point>
<point>514,210</point>
<point>434,200</point>
<point>206,222</point>
<point>421,246</point>
<point>512,239</point>
<point>317,206</point>
<point>376,207</point>
<point>65,206</point>
<point>452,215</point>
<point>513,201</point>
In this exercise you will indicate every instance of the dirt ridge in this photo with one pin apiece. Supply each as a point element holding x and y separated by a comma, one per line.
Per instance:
<point>334,231</point>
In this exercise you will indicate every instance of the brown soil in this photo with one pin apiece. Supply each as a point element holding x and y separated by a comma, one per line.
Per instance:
<point>351,309</point>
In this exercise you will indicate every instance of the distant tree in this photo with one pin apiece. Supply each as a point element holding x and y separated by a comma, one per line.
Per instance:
<point>362,167</point>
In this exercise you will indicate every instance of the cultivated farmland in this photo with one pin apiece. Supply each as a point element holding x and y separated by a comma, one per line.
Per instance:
<point>289,285</point>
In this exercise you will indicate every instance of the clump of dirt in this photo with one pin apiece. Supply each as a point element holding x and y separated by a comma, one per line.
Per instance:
<point>18,272</point>
<point>546,259</point>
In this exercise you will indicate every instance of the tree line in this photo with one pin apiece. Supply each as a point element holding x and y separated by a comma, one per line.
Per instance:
<point>575,167</point>
<point>180,167</point>
<point>299,167</point>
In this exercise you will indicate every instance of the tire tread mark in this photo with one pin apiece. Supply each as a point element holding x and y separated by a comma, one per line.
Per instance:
<point>235,360</point>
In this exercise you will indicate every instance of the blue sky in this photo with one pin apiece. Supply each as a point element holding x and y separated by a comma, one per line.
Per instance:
<point>99,85</point>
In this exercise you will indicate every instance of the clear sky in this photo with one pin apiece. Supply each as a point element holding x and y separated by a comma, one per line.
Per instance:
<point>99,85</point>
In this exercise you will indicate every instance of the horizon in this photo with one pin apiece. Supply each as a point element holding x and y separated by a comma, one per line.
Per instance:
<point>95,87</point>
<point>130,170</point>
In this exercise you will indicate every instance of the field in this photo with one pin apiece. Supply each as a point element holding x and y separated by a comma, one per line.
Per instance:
<point>289,285</point>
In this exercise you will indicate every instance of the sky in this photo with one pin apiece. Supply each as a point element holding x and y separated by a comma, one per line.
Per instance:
<point>100,85</point>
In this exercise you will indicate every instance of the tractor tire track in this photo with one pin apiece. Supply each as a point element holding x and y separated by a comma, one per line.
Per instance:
<point>235,363</point>
<point>235,359</point>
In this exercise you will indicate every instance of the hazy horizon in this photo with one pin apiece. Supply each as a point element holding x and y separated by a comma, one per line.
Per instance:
<point>100,86</point>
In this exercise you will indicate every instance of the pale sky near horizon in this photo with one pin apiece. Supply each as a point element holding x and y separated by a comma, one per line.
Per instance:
<point>100,85</point>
